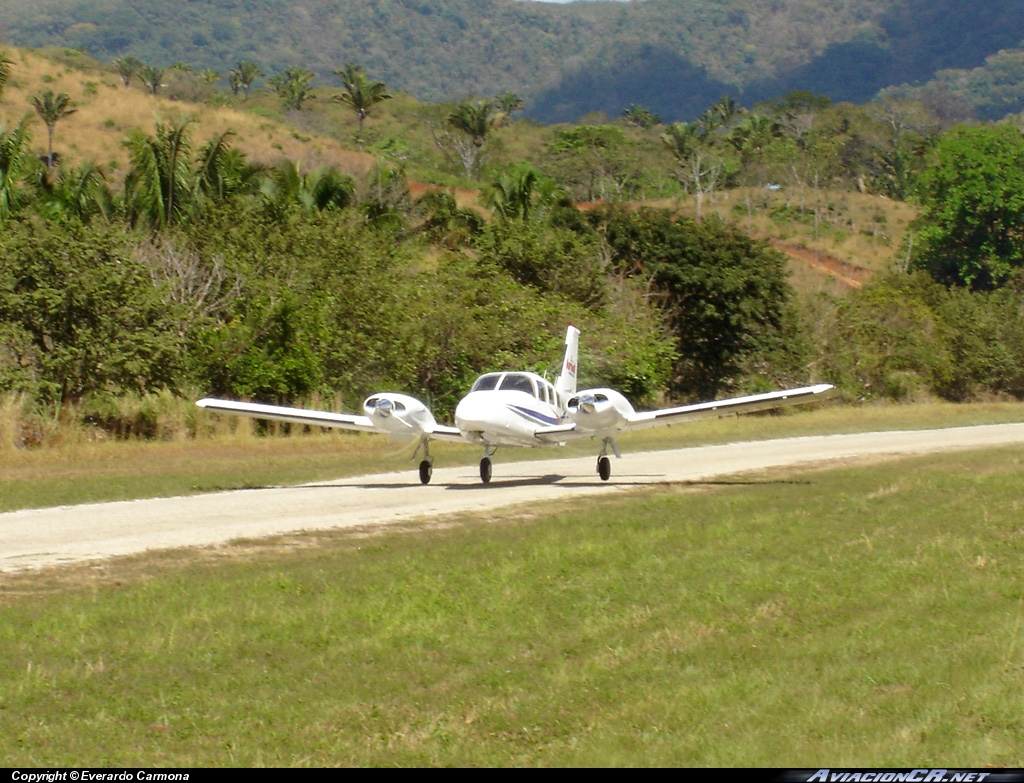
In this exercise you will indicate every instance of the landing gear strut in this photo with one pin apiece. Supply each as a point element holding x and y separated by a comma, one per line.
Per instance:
<point>604,465</point>
<point>486,466</point>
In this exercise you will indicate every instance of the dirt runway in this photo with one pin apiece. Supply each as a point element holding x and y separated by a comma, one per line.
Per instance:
<point>39,538</point>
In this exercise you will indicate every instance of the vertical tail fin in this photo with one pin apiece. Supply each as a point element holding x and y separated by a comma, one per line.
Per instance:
<point>566,383</point>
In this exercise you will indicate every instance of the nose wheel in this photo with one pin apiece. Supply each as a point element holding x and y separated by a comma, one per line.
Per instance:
<point>604,468</point>
<point>485,470</point>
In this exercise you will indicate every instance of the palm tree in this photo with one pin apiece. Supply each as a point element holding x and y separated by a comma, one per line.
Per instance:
<point>14,159</point>
<point>5,71</point>
<point>51,109</point>
<point>692,144</point>
<point>80,193</point>
<point>360,93</point>
<point>127,67</point>
<point>293,87</point>
<point>151,77</point>
<point>322,188</point>
<point>506,104</point>
<point>521,193</point>
<point>242,76</point>
<point>473,119</point>
<point>167,185</point>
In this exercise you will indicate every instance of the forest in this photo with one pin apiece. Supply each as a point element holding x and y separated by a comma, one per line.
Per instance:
<point>566,60</point>
<point>467,237</point>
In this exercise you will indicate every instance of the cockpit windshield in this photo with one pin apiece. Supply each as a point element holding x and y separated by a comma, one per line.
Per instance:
<point>486,382</point>
<point>514,381</point>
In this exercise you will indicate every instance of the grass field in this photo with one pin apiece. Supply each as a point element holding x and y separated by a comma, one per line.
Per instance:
<point>853,616</point>
<point>89,471</point>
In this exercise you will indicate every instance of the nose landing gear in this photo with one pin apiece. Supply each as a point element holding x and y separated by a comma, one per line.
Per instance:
<point>486,467</point>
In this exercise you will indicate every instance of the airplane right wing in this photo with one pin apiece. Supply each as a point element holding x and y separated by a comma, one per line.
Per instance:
<point>401,417</point>
<point>293,415</point>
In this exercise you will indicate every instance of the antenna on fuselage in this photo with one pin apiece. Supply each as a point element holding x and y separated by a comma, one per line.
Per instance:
<point>566,383</point>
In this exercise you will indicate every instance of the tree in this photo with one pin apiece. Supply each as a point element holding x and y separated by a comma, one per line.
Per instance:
<point>596,160</point>
<point>473,121</point>
<point>14,160</point>
<point>167,185</point>
<point>972,228</point>
<point>79,315</point>
<point>640,116</point>
<point>322,188</point>
<point>692,146</point>
<point>151,77</point>
<point>5,71</point>
<point>293,86</point>
<point>242,76</point>
<point>724,294</point>
<point>507,103</point>
<point>127,67</point>
<point>360,93</point>
<point>51,109</point>
<point>81,193</point>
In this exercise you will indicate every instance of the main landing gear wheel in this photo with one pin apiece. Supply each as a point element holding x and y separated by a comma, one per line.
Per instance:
<point>604,468</point>
<point>485,470</point>
<point>426,471</point>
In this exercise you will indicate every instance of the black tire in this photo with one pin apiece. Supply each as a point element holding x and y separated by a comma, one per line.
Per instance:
<point>426,471</point>
<point>604,468</point>
<point>485,470</point>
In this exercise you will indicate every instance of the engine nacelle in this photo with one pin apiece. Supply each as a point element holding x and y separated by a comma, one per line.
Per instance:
<point>401,416</point>
<point>599,410</point>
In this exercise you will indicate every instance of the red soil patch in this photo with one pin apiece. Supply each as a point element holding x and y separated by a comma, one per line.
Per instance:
<point>852,275</point>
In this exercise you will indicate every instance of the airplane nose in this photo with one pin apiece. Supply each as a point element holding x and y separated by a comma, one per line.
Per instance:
<point>471,414</point>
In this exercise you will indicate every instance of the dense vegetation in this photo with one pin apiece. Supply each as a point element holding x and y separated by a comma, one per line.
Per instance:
<point>198,269</point>
<point>567,60</point>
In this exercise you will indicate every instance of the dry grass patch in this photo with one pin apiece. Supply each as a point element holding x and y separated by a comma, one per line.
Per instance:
<point>107,111</point>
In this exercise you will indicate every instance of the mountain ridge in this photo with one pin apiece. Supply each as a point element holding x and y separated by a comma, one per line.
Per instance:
<point>565,59</point>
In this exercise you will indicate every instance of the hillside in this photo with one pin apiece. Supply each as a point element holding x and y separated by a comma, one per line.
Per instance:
<point>859,233</point>
<point>106,111</point>
<point>989,92</point>
<point>567,60</point>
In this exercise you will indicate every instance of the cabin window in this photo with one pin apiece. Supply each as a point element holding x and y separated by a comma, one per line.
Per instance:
<point>486,382</point>
<point>518,382</point>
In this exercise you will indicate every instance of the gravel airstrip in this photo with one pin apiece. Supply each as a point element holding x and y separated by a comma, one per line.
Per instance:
<point>40,538</point>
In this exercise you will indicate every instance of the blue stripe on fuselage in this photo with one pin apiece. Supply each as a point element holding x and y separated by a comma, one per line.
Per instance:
<point>534,414</point>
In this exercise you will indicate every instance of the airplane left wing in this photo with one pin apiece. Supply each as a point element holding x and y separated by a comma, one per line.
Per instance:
<point>749,404</point>
<point>604,413</point>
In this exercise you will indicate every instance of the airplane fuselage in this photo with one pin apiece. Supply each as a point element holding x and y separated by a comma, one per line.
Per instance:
<point>507,409</point>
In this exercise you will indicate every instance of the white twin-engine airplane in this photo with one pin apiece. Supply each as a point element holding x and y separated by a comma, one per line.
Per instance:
<point>518,409</point>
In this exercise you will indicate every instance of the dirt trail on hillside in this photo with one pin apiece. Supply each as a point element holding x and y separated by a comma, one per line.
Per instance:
<point>850,274</point>
<point>39,538</point>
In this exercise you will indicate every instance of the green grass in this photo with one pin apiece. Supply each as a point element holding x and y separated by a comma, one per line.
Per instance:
<point>857,616</point>
<point>96,471</point>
